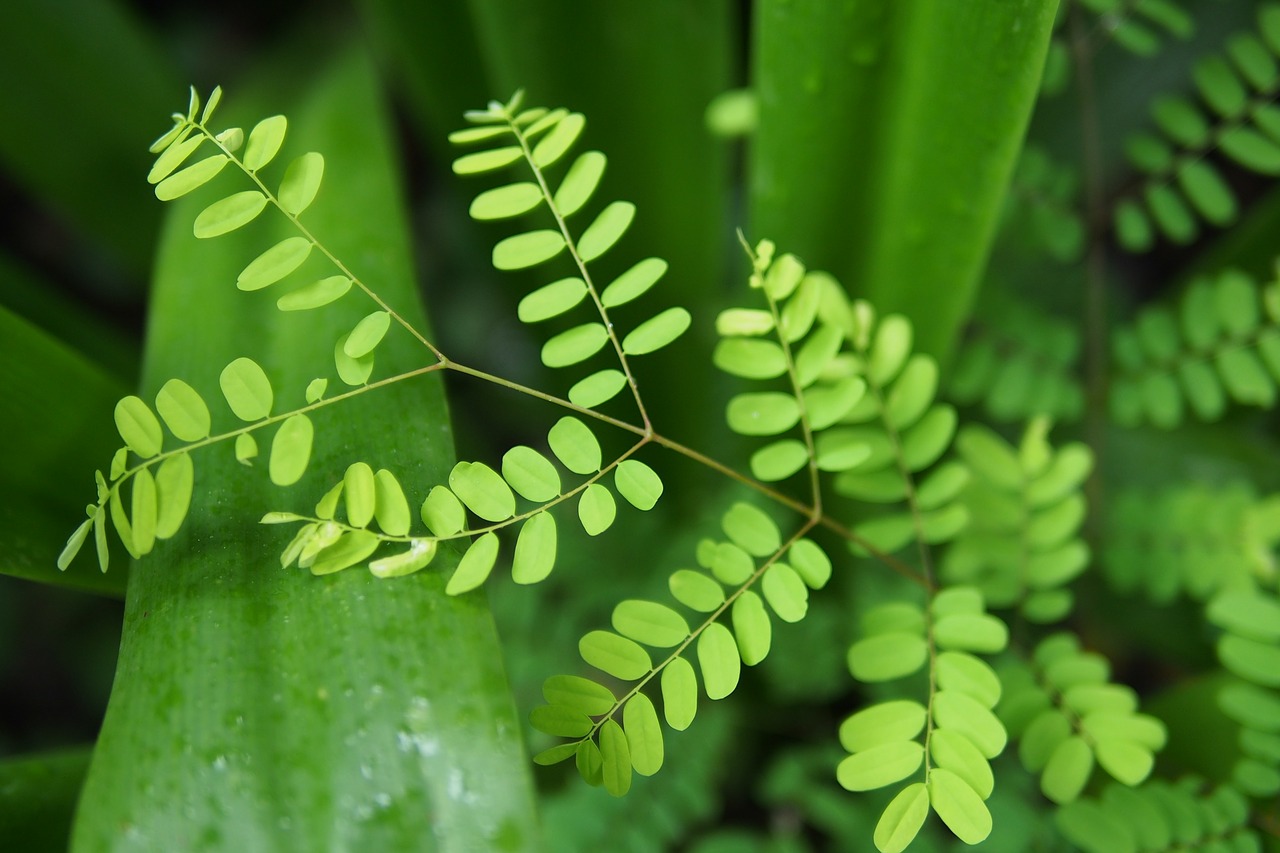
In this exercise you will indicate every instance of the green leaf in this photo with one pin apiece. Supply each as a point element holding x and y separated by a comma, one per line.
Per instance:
<point>581,694</point>
<point>880,765</point>
<point>615,757</point>
<point>644,735</point>
<point>232,212</point>
<point>817,354</point>
<point>912,392</point>
<point>472,135</point>
<point>766,413</point>
<point>730,564</point>
<point>486,161</point>
<point>971,632</point>
<point>574,345</point>
<point>887,656</point>
<point>650,623</point>
<point>143,512</point>
<point>231,139</point>
<point>138,427</point>
<point>420,554</point>
<point>606,230</point>
<point>890,349</point>
<point>696,590</point>
<point>969,675</point>
<point>596,509</point>
<point>753,529</point>
<point>718,658</point>
<point>390,507</point>
<point>535,554</point>
<point>955,752</point>
<point>301,182</point>
<point>953,709</point>
<point>527,250</point>
<point>638,483</point>
<point>560,721</point>
<point>779,460</point>
<point>575,445</point>
<point>315,295</point>
<point>589,762</point>
<point>598,388</point>
<point>360,491</point>
<point>274,264</point>
<point>1251,659</point>
<point>443,513</point>
<point>475,565</point>
<point>924,442</point>
<point>246,448</point>
<point>785,592</point>
<point>74,543</point>
<point>264,142</point>
<point>1127,762</point>
<point>191,178</point>
<point>291,450</point>
<point>367,334</point>
<point>750,358</point>
<point>100,538</point>
<point>1247,613</point>
<point>530,474</point>
<point>810,562</point>
<point>743,321</point>
<point>901,820</point>
<point>886,722</point>
<point>556,143</point>
<point>622,658</point>
<point>959,806</point>
<point>1207,191</point>
<point>656,332</point>
<point>751,628</point>
<point>174,155</point>
<point>483,491</point>
<point>783,277</point>
<point>352,371</point>
<point>633,283</point>
<point>579,182</point>
<point>247,389</point>
<point>352,548</point>
<point>551,300</point>
<point>506,202</point>
<point>183,410</point>
<point>1067,770</point>
<point>679,694</point>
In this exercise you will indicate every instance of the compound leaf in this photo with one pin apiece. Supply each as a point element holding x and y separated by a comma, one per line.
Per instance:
<point>901,820</point>
<point>530,474</point>
<point>527,250</point>
<point>752,529</point>
<point>644,735</point>
<point>880,765</point>
<point>650,623</point>
<point>555,144</point>
<point>959,806</point>
<point>579,182</point>
<point>785,592</point>
<point>443,513</point>
<point>615,757</point>
<point>191,178</point>
<point>574,345</point>
<point>506,202</point>
<point>633,283</point>
<point>598,388</point>
<point>887,656</point>
<point>719,660</point>
<point>360,492</point>
<point>581,694</point>
<point>486,161</point>
<point>367,334</point>
<point>143,511</point>
<point>696,590</point>
<point>751,628</point>
<point>765,413</point>
<point>551,300</point>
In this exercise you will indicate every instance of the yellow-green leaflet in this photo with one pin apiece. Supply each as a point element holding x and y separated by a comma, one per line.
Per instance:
<point>359,491</point>
<point>247,389</point>
<point>232,212</point>
<point>367,334</point>
<point>530,474</point>
<point>644,735</point>
<point>274,264</point>
<point>291,450</point>
<point>606,230</point>
<point>551,300</point>
<point>442,512</point>
<point>482,490</point>
<point>579,182</point>
<point>301,182</point>
<point>264,142</point>
<point>596,509</point>
<point>718,657</point>
<point>679,694</point>
<point>535,554</point>
<point>391,509</point>
<point>138,427</point>
<point>183,410</point>
<point>575,445</point>
<point>475,565</point>
<point>175,480</point>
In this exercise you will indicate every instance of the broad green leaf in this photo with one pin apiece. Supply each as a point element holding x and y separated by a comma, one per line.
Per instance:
<point>766,413</point>
<point>506,202</point>
<point>785,592</point>
<point>390,507</point>
<point>901,820</point>
<point>650,623</point>
<point>143,512</point>
<point>622,658</point>
<point>880,765</point>
<point>527,250</point>
<point>893,617</point>
<point>575,445</point>
<point>482,490</point>
<point>174,155</point>
<point>752,528</point>
<point>598,388</point>
<point>606,230</point>
<point>443,513</point>
<point>551,300</point>
<point>274,264</point>
<point>696,590</point>
<point>1067,770</point>
<point>750,358</point>
<point>555,144</point>
<point>535,554</point>
<point>352,548</point>
<point>679,694</point>
<point>615,757</point>
<point>596,509</point>
<point>968,674</point>
<point>360,492</point>
<point>230,213</point>
<point>579,182</point>
<point>247,389</point>
<point>638,483</point>
<point>264,142</point>
<point>530,474</point>
<point>246,448</point>
<point>942,486</point>
<point>316,294</point>
<point>955,752</point>
<point>367,334</point>
<point>560,721</point>
<point>486,161</point>
<point>420,554</point>
<point>301,182</point>
<point>751,628</point>
<point>887,656</point>
<point>475,565</point>
<point>183,410</point>
<point>193,177</point>
<point>644,735</point>
<point>886,722</point>
<point>138,427</point>
<point>291,450</point>
<point>633,283</point>
<point>811,563</point>
<point>656,332</point>
<point>959,806</point>
<point>719,660</point>
<point>581,694</point>
<point>574,345</point>
<point>779,460</point>
<point>971,632</point>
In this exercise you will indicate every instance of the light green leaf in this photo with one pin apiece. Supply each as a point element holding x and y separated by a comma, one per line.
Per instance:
<point>191,178</point>
<point>615,756</point>
<point>730,564</point>
<point>247,389</point>
<point>143,512</point>
<point>633,283</point>
<point>1248,613</point>
<point>880,765</point>
<point>228,214</point>
<point>420,554</point>
<point>912,392</point>
<point>581,694</point>
<point>120,520</point>
<point>231,139</point>
<point>360,491</point>
<point>352,371</point>
<point>817,354</point>
<point>606,230</point>
<point>574,345</point>
<point>696,590</point>
<point>955,752</point>
<point>886,722</point>
<point>656,332</point>
<point>475,565</point>
<point>955,710</point>
<point>750,322</point>
<point>367,334</point>
<point>174,155</point>
<point>1207,191</point>
<point>970,675</point>
<point>783,277</point>
<point>575,445</point>
<point>843,449</point>
<point>486,161</point>
<point>315,295</point>
<point>301,182</point>
<point>443,513</point>
<point>622,658</point>
<point>482,490</point>
<point>274,264</point>
<point>811,563</point>
<point>579,182</point>
<point>551,300</point>
<point>74,543</point>
<point>766,413</point>
<point>556,143</point>
<point>264,142</point>
<point>644,735</point>
<point>752,528</point>
<point>638,483</point>
<point>352,548</point>
<point>924,442</point>
<point>596,509</point>
<point>887,656</point>
<point>650,623</point>
<point>718,658</point>
<point>472,135</point>
<point>390,507</point>
<point>138,427</point>
<point>100,538</point>
<point>291,450</point>
<point>957,600</point>
<point>750,358</point>
<point>959,806</point>
<point>779,460</point>
<point>785,592</point>
<point>246,448</point>
<point>598,388</point>
<point>1128,762</point>
<point>527,250</point>
<point>901,820</point>
<point>560,721</point>
<point>971,632</point>
<point>119,462</point>
<point>183,410</point>
<point>531,474</point>
<point>679,694</point>
<point>751,628</point>
<point>1067,771</point>
<point>535,555</point>
<point>890,349</point>
<point>506,202</point>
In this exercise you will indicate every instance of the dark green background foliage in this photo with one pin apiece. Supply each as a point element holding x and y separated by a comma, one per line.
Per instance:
<point>1065,213</point>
